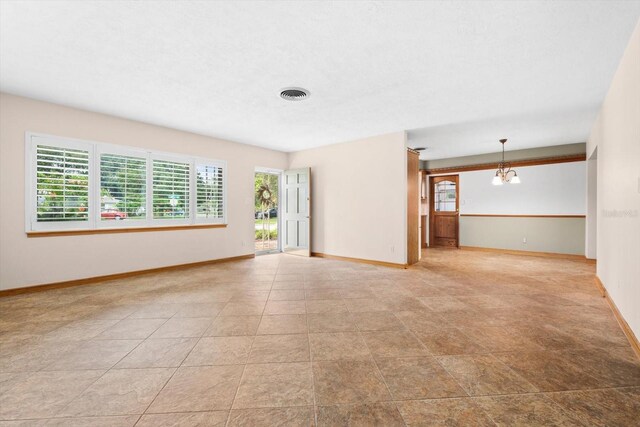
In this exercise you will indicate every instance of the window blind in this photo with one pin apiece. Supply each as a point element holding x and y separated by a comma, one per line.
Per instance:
<point>62,184</point>
<point>123,187</point>
<point>170,189</point>
<point>209,191</point>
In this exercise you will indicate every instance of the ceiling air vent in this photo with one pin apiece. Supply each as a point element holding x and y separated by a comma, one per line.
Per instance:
<point>294,94</point>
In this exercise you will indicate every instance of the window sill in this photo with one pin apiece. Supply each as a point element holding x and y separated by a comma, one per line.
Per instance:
<point>122,230</point>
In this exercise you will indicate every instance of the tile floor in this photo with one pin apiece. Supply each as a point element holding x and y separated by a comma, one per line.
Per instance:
<point>462,338</point>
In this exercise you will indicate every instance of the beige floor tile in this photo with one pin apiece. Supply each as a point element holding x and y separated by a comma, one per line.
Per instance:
<point>338,346</point>
<point>158,353</point>
<point>542,328</point>
<point>243,308</point>
<point>80,330</point>
<point>348,381</point>
<point>96,354</point>
<point>201,388</point>
<point>549,370</point>
<point>211,310</point>
<point>448,341</point>
<point>326,306</point>
<point>285,307</point>
<point>443,303</point>
<point>418,378</point>
<point>156,311</point>
<point>283,324</point>
<point>131,329</point>
<point>113,421</point>
<point>220,351</point>
<point>378,321</point>
<point>360,305</point>
<point>44,394</point>
<point>368,414</point>
<point>394,344</point>
<point>291,284</point>
<point>275,385</point>
<point>192,327</point>
<point>525,410</point>
<point>293,417</point>
<point>10,379</point>
<point>599,407</point>
<point>484,375</point>
<point>185,419</point>
<point>322,294</point>
<point>233,326</point>
<point>499,339</point>
<point>614,367</point>
<point>444,412</point>
<point>119,392</point>
<point>250,295</point>
<point>422,321</point>
<point>286,295</point>
<point>331,322</point>
<point>280,348</point>
<point>358,293</point>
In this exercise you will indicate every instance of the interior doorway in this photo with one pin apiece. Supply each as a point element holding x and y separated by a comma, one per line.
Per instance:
<point>444,209</point>
<point>267,213</point>
<point>296,212</point>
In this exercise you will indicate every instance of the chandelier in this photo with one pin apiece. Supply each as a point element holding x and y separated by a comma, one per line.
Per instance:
<point>504,172</point>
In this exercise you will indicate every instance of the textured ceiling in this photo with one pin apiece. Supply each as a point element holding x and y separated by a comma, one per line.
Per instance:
<point>457,75</point>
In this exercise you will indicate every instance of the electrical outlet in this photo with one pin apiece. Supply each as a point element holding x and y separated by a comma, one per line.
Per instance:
<point>524,240</point>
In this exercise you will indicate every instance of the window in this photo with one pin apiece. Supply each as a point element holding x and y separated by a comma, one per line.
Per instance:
<point>209,192</point>
<point>171,181</point>
<point>123,187</point>
<point>133,187</point>
<point>62,184</point>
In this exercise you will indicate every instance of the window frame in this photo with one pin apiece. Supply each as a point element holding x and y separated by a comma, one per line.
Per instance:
<point>119,151</point>
<point>94,221</point>
<point>176,159</point>
<point>198,161</point>
<point>31,208</point>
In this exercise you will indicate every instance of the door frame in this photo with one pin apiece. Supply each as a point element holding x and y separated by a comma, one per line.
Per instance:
<point>432,181</point>
<point>296,251</point>
<point>278,172</point>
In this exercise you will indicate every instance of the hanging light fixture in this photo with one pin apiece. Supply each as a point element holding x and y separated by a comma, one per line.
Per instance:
<point>504,172</point>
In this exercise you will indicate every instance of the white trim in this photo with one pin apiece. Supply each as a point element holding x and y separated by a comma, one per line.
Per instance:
<point>95,150</point>
<point>31,205</point>
<point>174,159</point>
<point>216,163</point>
<point>118,151</point>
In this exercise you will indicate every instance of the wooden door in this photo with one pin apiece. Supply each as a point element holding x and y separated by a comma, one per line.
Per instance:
<point>296,221</point>
<point>413,207</point>
<point>444,208</point>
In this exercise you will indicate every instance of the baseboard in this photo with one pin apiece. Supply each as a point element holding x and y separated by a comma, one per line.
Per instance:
<point>360,260</point>
<point>633,340</point>
<point>98,279</point>
<point>529,253</point>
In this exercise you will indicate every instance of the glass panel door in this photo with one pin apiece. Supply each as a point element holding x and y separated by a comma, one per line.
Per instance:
<point>266,197</point>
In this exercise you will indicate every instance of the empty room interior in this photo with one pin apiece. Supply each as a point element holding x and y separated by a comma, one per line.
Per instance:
<point>319,213</point>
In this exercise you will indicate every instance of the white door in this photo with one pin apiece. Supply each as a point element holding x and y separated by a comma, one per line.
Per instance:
<point>296,220</point>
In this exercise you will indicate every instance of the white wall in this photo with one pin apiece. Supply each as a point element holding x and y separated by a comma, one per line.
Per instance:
<point>554,189</point>
<point>31,261</point>
<point>616,135</point>
<point>591,225</point>
<point>359,197</point>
